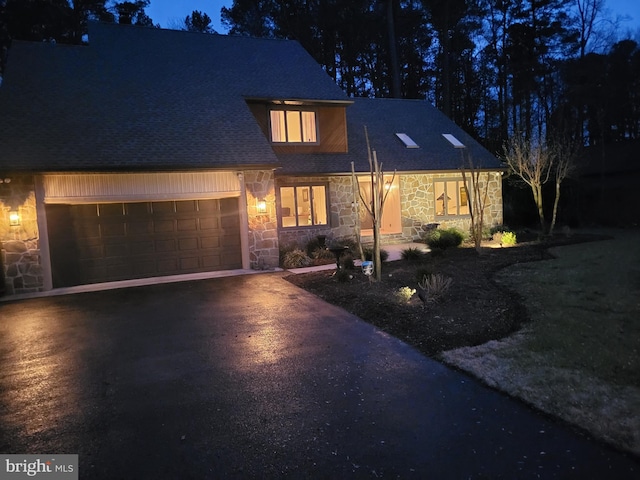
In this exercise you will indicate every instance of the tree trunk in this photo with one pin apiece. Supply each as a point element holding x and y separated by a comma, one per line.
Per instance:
<point>555,208</point>
<point>537,197</point>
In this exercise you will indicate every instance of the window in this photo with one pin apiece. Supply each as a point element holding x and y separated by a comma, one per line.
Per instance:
<point>303,205</point>
<point>391,218</point>
<point>293,126</point>
<point>451,198</point>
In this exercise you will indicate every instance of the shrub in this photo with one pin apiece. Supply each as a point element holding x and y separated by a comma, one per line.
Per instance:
<point>412,254</point>
<point>295,258</point>
<point>421,273</point>
<point>368,254</point>
<point>316,245</point>
<point>347,262</point>
<point>404,294</point>
<point>508,238</point>
<point>434,286</point>
<point>499,229</point>
<point>343,275</point>
<point>320,253</point>
<point>445,238</point>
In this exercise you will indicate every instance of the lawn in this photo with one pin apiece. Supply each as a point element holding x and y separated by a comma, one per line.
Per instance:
<point>557,327</point>
<point>577,358</point>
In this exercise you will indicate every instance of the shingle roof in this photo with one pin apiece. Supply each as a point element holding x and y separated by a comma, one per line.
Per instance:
<point>143,98</point>
<point>383,118</point>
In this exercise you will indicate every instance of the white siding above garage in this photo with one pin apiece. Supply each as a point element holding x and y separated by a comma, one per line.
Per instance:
<point>116,187</point>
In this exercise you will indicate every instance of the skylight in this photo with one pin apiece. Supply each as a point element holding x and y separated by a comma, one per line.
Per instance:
<point>453,140</point>
<point>407,140</point>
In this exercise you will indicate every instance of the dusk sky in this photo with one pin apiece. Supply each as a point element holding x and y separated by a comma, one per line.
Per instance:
<point>169,12</point>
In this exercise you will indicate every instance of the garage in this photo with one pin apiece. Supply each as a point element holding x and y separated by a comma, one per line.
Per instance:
<point>94,242</point>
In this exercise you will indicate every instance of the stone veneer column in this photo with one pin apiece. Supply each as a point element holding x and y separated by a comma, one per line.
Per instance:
<point>20,245</point>
<point>263,226</point>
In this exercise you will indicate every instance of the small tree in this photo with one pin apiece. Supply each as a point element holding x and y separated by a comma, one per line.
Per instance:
<point>566,155</point>
<point>374,208</point>
<point>477,198</point>
<point>532,163</point>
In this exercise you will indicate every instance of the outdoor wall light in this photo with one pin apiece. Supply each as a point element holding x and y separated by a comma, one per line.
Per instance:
<point>262,206</point>
<point>14,218</point>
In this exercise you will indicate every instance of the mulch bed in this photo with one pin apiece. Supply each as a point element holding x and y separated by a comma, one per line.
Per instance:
<point>473,311</point>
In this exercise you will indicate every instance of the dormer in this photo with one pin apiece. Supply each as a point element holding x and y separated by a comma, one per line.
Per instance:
<point>299,126</point>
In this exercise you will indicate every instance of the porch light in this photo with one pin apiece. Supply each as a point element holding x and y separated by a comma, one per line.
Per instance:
<point>14,218</point>
<point>262,206</point>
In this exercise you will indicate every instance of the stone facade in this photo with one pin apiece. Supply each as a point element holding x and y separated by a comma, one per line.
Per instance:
<point>20,244</point>
<point>263,226</point>
<point>22,271</point>
<point>417,200</point>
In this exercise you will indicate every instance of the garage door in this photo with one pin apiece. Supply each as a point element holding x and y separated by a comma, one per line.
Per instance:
<point>104,242</point>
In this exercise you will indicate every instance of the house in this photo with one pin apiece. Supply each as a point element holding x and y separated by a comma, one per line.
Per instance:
<point>154,152</point>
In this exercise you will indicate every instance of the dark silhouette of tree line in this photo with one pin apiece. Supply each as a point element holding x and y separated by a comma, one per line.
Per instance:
<point>495,67</point>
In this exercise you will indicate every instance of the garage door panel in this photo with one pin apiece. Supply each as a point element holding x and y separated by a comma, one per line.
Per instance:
<point>88,229</point>
<point>164,226</point>
<point>159,208</point>
<point>189,263</point>
<point>138,209</point>
<point>106,210</point>
<point>108,229</point>
<point>139,228</point>
<point>185,206</point>
<point>163,246</point>
<point>185,244</point>
<point>116,250</point>
<point>210,242</point>
<point>141,247</point>
<point>143,269</point>
<point>105,242</point>
<point>187,224</point>
<point>208,206</point>
<point>87,252</point>
<point>88,211</point>
<point>209,223</point>
<point>228,241</point>
<point>167,266</point>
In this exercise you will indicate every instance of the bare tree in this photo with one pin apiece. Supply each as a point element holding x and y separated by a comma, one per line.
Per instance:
<point>566,155</point>
<point>588,13</point>
<point>532,163</point>
<point>477,198</point>
<point>374,206</point>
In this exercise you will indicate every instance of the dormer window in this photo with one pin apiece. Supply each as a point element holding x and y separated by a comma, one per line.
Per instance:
<point>293,126</point>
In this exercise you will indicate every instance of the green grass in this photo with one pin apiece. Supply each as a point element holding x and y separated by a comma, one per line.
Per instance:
<point>578,358</point>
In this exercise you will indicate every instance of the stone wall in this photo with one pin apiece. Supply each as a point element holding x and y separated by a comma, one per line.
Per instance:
<point>417,201</point>
<point>263,227</point>
<point>20,245</point>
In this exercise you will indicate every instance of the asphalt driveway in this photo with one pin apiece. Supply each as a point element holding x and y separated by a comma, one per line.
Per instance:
<point>251,377</point>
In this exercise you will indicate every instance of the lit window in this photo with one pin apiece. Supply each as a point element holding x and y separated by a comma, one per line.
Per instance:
<point>293,126</point>
<point>451,198</point>
<point>303,205</point>
<point>391,221</point>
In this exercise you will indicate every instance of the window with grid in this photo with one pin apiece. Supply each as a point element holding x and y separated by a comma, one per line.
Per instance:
<point>303,205</point>
<point>451,198</point>
<point>293,126</point>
